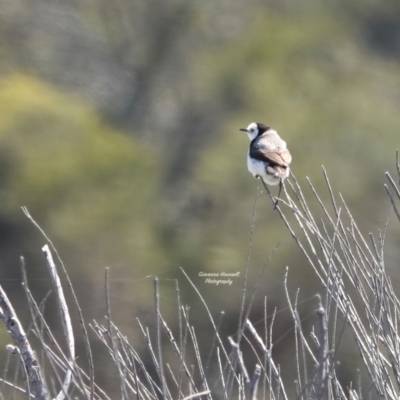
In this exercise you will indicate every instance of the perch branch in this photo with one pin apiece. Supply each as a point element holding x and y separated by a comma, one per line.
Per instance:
<point>14,327</point>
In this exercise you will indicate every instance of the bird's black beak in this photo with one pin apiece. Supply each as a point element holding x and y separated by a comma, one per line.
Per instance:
<point>243,129</point>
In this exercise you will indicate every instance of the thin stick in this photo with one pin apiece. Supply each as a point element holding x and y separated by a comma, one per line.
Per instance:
<point>108,302</point>
<point>246,270</point>
<point>4,382</point>
<point>210,317</point>
<point>392,201</point>
<point>81,319</point>
<point>183,365</point>
<point>14,327</point>
<point>275,370</point>
<point>398,164</point>
<point>158,331</point>
<point>121,374</point>
<point>26,378</point>
<point>193,396</point>
<point>214,342</point>
<point>253,385</point>
<point>197,353</point>
<point>239,357</point>
<point>36,313</point>
<point>393,184</point>
<point>222,373</point>
<point>323,359</point>
<point>65,319</point>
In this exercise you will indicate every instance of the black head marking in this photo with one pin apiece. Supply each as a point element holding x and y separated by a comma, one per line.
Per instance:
<point>262,128</point>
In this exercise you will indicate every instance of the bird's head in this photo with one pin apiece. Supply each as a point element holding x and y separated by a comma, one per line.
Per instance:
<point>255,129</point>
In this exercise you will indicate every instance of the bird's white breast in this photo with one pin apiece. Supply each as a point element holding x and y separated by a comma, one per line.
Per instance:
<point>255,167</point>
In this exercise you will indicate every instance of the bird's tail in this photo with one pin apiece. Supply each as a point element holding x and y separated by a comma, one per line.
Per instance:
<point>277,171</point>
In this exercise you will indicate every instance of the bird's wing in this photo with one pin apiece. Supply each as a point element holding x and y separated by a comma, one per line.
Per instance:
<point>277,156</point>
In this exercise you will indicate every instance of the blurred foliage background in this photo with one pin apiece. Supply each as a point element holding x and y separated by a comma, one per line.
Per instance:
<point>119,131</point>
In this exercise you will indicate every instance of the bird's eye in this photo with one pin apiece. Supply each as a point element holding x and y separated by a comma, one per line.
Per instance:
<point>252,130</point>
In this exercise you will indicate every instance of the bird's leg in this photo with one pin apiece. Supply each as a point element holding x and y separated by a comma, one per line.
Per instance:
<point>280,187</point>
<point>267,190</point>
<point>279,193</point>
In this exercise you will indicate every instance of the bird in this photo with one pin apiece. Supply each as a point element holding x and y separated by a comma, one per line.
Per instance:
<point>267,158</point>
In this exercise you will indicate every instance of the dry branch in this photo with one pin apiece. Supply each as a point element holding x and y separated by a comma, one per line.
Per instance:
<point>30,363</point>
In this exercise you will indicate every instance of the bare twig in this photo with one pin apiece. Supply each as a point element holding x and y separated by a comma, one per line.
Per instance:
<point>323,360</point>
<point>210,317</point>
<point>253,384</point>
<point>4,382</point>
<point>65,319</point>
<point>89,354</point>
<point>397,212</point>
<point>274,368</point>
<point>158,333</point>
<point>14,327</point>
